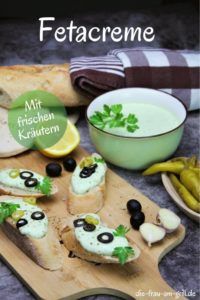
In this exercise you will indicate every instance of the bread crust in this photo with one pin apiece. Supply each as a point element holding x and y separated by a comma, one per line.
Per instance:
<point>6,190</point>
<point>46,252</point>
<point>92,201</point>
<point>8,146</point>
<point>73,245</point>
<point>55,78</point>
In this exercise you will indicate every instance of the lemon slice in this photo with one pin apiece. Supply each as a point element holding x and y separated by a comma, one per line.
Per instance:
<point>66,144</point>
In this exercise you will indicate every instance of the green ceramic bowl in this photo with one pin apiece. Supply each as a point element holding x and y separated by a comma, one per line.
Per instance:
<point>137,153</point>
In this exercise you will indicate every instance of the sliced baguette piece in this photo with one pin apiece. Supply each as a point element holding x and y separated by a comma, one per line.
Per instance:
<point>7,190</point>
<point>8,146</point>
<point>92,201</point>
<point>46,251</point>
<point>74,246</point>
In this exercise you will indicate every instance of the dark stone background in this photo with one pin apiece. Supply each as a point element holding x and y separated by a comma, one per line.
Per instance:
<point>176,27</point>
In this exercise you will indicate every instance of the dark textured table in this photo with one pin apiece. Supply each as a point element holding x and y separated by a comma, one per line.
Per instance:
<point>176,27</point>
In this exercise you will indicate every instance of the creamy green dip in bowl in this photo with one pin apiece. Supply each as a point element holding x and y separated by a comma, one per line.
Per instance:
<point>136,127</point>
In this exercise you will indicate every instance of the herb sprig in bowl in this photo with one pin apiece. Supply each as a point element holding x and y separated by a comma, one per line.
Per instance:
<point>113,117</point>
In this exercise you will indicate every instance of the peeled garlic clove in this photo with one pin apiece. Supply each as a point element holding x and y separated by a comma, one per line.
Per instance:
<point>168,219</point>
<point>152,233</point>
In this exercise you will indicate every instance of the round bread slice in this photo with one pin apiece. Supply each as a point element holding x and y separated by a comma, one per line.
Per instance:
<point>8,146</point>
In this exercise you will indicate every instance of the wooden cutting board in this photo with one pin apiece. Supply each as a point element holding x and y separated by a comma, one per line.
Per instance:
<point>79,278</point>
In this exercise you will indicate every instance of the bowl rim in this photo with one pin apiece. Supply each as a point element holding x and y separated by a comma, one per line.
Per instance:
<point>140,137</point>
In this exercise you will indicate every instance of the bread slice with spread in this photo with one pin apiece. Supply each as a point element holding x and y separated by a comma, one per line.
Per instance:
<point>24,183</point>
<point>88,238</point>
<point>27,226</point>
<point>87,186</point>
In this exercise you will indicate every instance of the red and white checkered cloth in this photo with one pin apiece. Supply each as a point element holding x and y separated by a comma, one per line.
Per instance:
<point>175,72</point>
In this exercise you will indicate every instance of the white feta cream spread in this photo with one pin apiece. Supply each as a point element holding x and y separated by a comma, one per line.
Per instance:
<point>34,228</point>
<point>84,185</point>
<point>18,182</point>
<point>89,240</point>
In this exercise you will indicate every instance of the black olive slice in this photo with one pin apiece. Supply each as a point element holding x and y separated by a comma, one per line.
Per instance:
<point>105,237</point>
<point>31,182</point>
<point>37,215</point>
<point>21,222</point>
<point>88,171</point>
<point>26,174</point>
<point>89,227</point>
<point>79,222</point>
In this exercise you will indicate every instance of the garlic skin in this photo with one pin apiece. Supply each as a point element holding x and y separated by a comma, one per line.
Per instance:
<point>168,220</point>
<point>152,233</point>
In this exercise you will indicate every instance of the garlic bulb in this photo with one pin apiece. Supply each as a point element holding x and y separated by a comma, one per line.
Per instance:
<point>152,233</point>
<point>168,220</point>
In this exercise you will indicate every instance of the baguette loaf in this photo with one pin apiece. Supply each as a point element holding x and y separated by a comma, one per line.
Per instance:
<point>45,251</point>
<point>16,80</point>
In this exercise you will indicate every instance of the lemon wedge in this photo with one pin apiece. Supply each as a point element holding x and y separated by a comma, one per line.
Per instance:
<point>66,144</point>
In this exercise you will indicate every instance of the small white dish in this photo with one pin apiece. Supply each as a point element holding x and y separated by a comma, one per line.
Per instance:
<point>177,199</point>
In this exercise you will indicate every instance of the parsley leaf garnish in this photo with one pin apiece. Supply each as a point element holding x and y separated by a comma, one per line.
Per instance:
<point>45,186</point>
<point>6,210</point>
<point>99,160</point>
<point>123,253</point>
<point>121,230</point>
<point>113,117</point>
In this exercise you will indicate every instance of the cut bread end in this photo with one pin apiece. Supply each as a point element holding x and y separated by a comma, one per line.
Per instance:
<point>92,201</point>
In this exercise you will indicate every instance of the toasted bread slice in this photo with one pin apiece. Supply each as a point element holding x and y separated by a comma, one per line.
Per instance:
<point>13,191</point>
<point>72,244</point>
<point>45,251</point>
<point>92,201</point>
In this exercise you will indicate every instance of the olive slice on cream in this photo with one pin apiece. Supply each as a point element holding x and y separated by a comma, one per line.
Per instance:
<point>79,222</point>
<point>31,182</point>
<point>37,215</point>
<point>26,174</point>
<point>21,222</point>
<point>105,237</point>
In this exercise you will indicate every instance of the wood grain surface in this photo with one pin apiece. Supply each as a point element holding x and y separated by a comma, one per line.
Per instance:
<point>79,278</point>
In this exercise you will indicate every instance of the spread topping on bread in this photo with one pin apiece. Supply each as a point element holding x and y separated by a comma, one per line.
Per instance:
<point>97,238</point>
<point>88,174</point>
<point>29,219</point>
<point>26,180</point>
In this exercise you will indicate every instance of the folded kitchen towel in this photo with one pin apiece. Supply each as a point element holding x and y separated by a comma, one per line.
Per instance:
<point>175,72</point>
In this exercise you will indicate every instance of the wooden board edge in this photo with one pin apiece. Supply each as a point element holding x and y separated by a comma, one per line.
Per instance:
<point>170,247</point>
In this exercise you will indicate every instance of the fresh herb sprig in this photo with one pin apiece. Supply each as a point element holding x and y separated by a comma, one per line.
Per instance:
<point>45,186</point>
<point>121,230</point>
<point>113,117</point>
<point>6,210</point>
<point>123,253</point>
<point>99,160</point>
